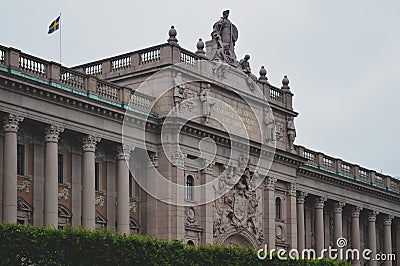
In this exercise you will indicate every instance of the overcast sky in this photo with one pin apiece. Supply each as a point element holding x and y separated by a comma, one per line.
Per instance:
<point>342,57</point>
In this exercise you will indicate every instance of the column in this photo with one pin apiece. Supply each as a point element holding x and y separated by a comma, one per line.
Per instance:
<point>319,224</point>
<point>387,231</point>
<point>151,192</point>
<point>292,216</point>
<point>337,222</point>
<point>355,231</point>
<point>398,240</point>
<point>52,135</point>
<point>10,127</point>
<point>372,235</point>
<point>123,155</point>
<point>301,233</point>
<point>207,194</point>
<point>88,176</point>
<point>269,211</point>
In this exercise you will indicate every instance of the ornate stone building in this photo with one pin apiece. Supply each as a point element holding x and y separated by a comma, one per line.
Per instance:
<point>129,143</point>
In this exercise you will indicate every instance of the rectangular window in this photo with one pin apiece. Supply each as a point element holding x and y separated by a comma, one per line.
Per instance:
<point>97,176</point>
<point>20,159</point>
<point>131,186</point>
<point>60,168</point>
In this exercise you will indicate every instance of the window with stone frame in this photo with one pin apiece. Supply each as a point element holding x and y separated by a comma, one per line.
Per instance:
<point>189,187</point>
<point>97,176</point>
<point>61,168</point>
<point>278,208</point>
<point>132,191</point>
<point>21,159</point>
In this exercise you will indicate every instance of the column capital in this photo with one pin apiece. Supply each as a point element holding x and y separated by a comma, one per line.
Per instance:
<point>355,212</point>
<point>52,133</point>
<point>270,182</point>
<point>338,207</point>
<point>11,122</point>
<point>301,197</point>
<point>372,216</point>
<point>124,151</point>
<point>292,188</point>
<point>388,220</point>
<point>89,143</point>
<point>319,202</point>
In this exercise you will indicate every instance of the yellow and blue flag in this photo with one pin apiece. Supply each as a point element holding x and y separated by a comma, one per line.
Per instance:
<point>55,25</point>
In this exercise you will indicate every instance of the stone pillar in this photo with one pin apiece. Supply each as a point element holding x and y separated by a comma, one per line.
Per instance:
<point>337,222</point>
<point>387,231</point>
<point>52,135</point>
<point>372,235</point>
<point>398,241</point>
<point>123,156</point>
<point>88,188</point>
<point>292,216</point>
<point>207,208</point>
<point>151,191</point>
<point>319,224</point>
<point>269,211</point>
<point>10,127</point>
<point>355,231</point>
<point>301,233</point>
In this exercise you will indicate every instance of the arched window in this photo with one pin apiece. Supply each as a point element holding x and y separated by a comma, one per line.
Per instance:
<point>278,208</point>
<point>190,243</point>
<point>189,187</point>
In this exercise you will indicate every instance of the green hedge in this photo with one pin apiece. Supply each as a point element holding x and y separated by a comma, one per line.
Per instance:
<point>30,245</point>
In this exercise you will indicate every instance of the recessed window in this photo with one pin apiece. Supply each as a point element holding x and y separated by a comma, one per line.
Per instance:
<point>131,186</point>
<point>278,208</point>
<point>60,168</point>
<point>97,176</point>
<point>189,187</point>
<point>20,159</point>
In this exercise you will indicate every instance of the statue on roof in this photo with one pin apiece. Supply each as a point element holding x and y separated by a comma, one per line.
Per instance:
<point>226,35</point>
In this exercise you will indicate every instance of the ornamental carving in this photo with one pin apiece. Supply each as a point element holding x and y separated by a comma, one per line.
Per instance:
<point>99,201</point>
<point>25,186</point>
<point>239,209</point>
<point>89,143</point>
<point>52,133</point>
<point>132,206</point>
<point>192,217</point>
<point>11,122</point>
<point>124,152</point>
<point>177,158</point>
<point>64,194</point>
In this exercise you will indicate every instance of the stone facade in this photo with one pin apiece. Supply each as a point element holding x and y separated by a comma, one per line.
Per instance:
<point>72,151</point>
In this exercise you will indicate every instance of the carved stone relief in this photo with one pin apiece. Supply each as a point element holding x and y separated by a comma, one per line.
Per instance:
<point>239,209</point>
<point>192,217</point>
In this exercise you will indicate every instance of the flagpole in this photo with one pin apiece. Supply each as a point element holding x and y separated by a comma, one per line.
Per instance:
<point>60,36</point>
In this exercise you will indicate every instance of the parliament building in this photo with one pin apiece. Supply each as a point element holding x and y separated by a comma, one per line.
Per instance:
<point>180,144</point>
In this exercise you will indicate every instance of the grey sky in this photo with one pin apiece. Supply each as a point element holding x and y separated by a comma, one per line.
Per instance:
<point>342,57</point>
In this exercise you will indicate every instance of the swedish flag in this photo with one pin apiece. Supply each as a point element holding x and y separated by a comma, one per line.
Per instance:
<point>55,25</point>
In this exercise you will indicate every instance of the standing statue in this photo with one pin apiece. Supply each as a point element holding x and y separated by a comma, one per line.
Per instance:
<point>269,125</point>
<point>178,91</point>
<point>291,131</point>
<point>226,35</point>
<point>208,102</point>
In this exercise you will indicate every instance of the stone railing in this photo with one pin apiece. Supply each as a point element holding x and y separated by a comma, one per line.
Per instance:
<point>73,80</point>
<point>348,170</point>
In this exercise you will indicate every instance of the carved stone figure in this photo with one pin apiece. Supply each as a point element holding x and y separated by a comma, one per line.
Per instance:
<point>291,131</point>
<point>192,217</point>
<point>269,125</point>
<point>178,91</point>
<point>245,64</point>
<point>226,35</point>
<point>207,102</point>
<point>238,209</point>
